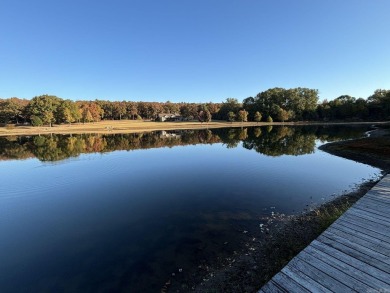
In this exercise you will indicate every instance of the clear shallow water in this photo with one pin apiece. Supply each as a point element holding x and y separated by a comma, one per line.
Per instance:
<point>122,212</point>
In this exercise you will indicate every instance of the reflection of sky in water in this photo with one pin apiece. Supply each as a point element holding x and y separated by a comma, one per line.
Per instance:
<point>125,219</point>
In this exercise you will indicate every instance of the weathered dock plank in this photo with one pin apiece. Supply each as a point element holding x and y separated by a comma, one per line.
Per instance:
<point>357,251</point>
<point>374,202</point>
<point>380,229</point>
<point>376,195</point>
<point>304,280</point>
<point>372,211</point>
<point>362,239</point>
<point>377,200</point>
<point>344,226</point>
<point>315,273</point>
<point>353,254</point>
<point>288,284</point>
<point>359,275</point>
<point>367,217</point>
<point>349,283</point>
<point>272,287</point>
<point>380,206</point>
<point>361,213</point>
<point>379,194</point>
<point>355,264</point>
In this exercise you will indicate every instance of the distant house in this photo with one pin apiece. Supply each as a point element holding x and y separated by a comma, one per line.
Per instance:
<point>169,117</point>
<point>169,134</point>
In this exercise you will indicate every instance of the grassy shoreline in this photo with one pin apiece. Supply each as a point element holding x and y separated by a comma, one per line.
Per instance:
<point>134,126</point>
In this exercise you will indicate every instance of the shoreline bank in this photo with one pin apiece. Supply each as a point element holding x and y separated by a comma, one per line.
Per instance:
<point>134,126</point>
<point>373,150</point>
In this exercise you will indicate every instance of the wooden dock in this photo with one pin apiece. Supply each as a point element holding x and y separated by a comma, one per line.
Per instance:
<point>352,255</point>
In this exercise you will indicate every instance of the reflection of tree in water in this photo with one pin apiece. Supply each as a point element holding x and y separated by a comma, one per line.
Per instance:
<point>270,141</point>
<point>60,147</point>
<point>12,147</point>
<point>47,148</point>
<point>230,139</point>
<point>257,132</point>
<point>341,132</point>
<point>281,141</point>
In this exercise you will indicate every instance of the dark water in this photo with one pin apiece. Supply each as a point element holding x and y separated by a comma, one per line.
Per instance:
<point>121,213</point>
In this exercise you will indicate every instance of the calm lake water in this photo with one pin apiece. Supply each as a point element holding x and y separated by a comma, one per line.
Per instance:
<point>121,213</point>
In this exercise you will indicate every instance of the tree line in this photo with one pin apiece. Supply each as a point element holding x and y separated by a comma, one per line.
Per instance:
<point>47,110</point>
<point>276,104</point>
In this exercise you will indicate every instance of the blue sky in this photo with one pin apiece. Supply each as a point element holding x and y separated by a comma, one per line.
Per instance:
<point>192,50</point>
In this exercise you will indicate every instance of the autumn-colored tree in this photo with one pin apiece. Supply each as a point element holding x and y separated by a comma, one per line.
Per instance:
<point>88,116</point>
<point>154,109</point>
<point>119,110</point>
<point>283,115</point>
<point>249,105</point>
<point>107,109</point>
<point>36,121</point>
<point>189,110</point>
<point>11,109</point>
<point>67,115</point>
<point>206,116</point>
<point>213,108</point>
<point>132,109</point>
<point>171,108</point>
<point>48,118</point>
<point>90,111</point>
<point>231,105</point>
<point>257,117</point>
<point>68,112</point>
<point>142,109</point>
<point>297,101</point>
<point>231,116</point>
<point>45,107</point>
<point>242,116</point>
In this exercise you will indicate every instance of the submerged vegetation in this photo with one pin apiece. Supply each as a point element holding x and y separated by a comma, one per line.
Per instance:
<point>285,237</point>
